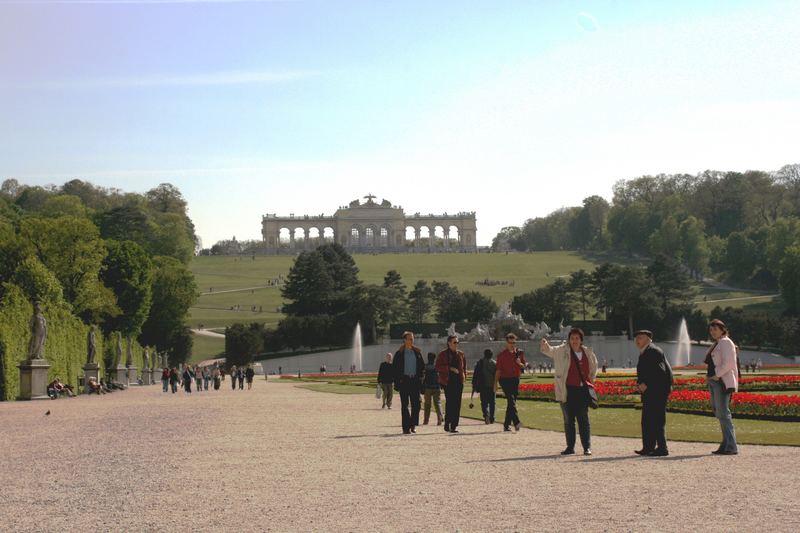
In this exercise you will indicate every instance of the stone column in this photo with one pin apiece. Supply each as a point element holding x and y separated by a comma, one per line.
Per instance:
<point>446,240</point>
<point>33,379</point>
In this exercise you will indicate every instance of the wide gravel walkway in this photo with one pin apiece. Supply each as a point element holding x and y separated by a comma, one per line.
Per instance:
<point>279,458</point>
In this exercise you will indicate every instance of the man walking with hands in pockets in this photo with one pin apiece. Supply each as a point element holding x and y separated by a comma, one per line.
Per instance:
<point>510,363</point>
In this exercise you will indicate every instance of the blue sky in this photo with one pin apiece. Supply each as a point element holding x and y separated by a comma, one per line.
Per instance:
<point>507,108</point>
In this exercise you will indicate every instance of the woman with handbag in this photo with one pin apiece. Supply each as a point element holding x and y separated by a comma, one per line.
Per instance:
<point>575,369</point>
<point>722,383</point>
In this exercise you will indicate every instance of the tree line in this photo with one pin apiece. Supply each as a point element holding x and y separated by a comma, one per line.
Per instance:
<point>741,227</point>
<point>111,258</point>
<point>325,300</point>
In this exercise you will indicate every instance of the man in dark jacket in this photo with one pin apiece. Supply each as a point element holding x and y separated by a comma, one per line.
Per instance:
<point>386,381</point>
<point>483,383</point>
<point>654,378</point>
<point>408,367</point>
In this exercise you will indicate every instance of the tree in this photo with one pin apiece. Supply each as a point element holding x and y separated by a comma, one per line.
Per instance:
<point>309,286</point>
<point>790,279</point>
<point>623,291</point>
<point>740,261</point>
<point>420,301</point>
<point>671,285</point>
<point>694,249</point>
<point>128,271</point>
<point>666,239</point>
<point>477,307</point>
<point>449,302</point>
<point>174,292</point>
<point>242,342</point>
<point>580,284</point>
<point>129,222</point>
<point>550,304</point>
<point>392,280</point>
<point>71,249</point>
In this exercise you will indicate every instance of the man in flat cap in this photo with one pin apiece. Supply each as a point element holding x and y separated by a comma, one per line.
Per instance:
<point>654,380</point>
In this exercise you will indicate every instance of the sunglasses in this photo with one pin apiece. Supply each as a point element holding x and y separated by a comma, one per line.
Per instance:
<point>453,342</point>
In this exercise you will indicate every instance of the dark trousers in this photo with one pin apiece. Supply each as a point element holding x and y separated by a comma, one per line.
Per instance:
<point>510,388</point>
<point>452,398</point>
<point>577,408</point>
<point>233,382</point>
<point>409,396</point>
<point>488,403</point>
<point>654,420</point>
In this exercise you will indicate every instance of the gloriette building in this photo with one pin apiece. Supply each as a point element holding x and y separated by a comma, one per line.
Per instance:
<point>370,227</point>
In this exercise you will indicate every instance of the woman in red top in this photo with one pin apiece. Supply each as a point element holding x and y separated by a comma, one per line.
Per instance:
<point>510,363</point>
<point>452,368</point>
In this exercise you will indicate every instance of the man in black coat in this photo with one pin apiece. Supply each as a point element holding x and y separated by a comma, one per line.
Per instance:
<point>654,378</point>
<point>408,367</point>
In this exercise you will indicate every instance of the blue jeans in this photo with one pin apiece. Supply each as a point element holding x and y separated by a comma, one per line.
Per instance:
<point>165,384</point>
<point>721,403</point>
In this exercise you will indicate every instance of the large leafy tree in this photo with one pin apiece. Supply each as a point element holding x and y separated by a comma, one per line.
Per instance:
<point>174,292</point>
<point>71,248</point>
<point>477,307</point>
<point>671,285</point>
<point>580,286</point>
<point>128,271</point>
<point>420,301</point>
<point>625,292</point>
<point>551,304</point>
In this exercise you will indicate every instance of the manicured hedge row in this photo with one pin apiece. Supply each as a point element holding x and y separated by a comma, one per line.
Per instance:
<point>65,349</point>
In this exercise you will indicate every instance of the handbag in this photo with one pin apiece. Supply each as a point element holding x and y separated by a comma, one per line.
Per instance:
<point>378,392</point>
<point>594,400</point>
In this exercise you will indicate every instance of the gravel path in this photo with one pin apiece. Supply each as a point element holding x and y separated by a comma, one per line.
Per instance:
<point>279,458</point>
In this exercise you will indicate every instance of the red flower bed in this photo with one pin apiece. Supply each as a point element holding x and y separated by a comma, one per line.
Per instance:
<point>742,403</point>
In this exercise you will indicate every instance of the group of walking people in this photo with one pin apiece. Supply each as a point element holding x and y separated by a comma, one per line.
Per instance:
<point>204,377</point>
<point>575,371</point>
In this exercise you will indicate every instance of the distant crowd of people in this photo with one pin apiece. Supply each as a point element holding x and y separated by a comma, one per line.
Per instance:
<point>575,368</point>
<point>204,377</point>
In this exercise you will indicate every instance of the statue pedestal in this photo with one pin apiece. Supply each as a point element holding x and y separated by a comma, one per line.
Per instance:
<point>155,378</point>
<point>90,370</point>
<point>147,376</point>
<point>120,375</point>
<point>133,380</point>
<point>33,380</point>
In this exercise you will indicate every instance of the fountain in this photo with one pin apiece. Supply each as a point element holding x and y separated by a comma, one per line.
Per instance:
<point>684,348</point>
<point>357,348</point>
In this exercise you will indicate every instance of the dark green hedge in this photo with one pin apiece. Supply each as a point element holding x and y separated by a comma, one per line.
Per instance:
<point>65,348</point>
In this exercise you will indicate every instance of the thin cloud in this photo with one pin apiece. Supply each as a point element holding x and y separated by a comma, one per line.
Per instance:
<point>236,77</point>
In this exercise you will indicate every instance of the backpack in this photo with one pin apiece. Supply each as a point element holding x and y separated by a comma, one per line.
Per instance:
<point>477,376</point>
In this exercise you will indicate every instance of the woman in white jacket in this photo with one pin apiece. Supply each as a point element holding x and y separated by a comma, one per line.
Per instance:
<point>575,367</point>
<point>722,383</point>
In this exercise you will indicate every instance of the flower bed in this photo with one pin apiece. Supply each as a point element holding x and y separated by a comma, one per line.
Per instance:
<point>687,398</point>
<point>743,404</point>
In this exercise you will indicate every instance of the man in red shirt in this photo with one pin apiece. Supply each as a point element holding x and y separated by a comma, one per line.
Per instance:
<point>510,363</point>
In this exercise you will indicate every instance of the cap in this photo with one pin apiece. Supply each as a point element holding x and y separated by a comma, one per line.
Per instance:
<point>644,332</point>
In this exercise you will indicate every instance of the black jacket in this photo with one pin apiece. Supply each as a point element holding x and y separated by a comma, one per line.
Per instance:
<point>399,366</point>
<point>385,374</point>
<point>654,371</point>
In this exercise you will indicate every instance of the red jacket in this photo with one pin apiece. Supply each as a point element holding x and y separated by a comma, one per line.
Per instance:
<point>507,365</point>
<point>443,366</point>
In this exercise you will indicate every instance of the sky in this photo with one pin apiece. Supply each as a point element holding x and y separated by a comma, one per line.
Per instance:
<point>511,109</point>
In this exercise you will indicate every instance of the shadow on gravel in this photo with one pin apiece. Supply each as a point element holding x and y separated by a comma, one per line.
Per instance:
<point>593,459</point>
<point>510,459</point>
<point>635,457</point>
